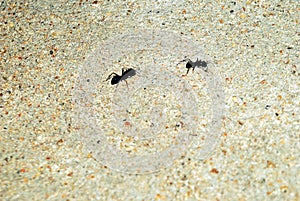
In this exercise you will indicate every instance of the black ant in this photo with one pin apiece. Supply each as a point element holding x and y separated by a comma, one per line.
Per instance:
<point>118,78</point>
<point>198,63</point>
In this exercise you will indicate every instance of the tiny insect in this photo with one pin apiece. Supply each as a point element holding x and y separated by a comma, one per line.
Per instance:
<point>118,78</point>
<point>198,63</point>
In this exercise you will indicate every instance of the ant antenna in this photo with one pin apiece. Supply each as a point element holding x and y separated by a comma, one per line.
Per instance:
<point>110,76</point>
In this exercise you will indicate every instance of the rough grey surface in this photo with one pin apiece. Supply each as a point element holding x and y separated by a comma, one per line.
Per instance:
<point>152,119</point>
<point>254,46</point>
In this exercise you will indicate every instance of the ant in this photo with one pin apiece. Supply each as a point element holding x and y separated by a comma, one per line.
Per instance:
<point>198,63</point>
<point>118,78</point>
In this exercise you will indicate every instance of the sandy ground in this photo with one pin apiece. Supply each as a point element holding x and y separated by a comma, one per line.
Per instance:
<point>254,46</point>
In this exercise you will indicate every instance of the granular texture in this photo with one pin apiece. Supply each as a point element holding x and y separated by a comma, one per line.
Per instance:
<point>148,120</point>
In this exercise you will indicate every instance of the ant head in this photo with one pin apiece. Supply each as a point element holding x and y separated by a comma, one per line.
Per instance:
<point>115,80</point>
<point>189,65</point>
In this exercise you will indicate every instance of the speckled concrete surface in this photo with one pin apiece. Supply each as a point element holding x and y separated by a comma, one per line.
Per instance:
<point>254,44</point>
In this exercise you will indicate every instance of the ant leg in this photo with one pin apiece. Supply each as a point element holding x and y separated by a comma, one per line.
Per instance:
<point>187,71</point>
<point>126,84</point>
